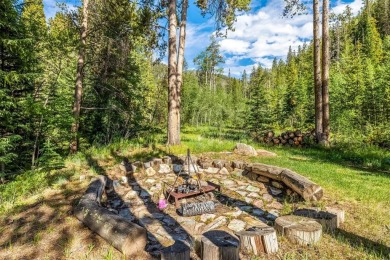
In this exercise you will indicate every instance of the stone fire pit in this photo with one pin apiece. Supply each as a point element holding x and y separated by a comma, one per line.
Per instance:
<point>248,200</point>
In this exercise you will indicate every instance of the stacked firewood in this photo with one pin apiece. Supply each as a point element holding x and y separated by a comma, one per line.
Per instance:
<point>290,138</point>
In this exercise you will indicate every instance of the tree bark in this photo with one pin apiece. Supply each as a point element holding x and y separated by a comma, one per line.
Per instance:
<point>300,230</point>
<point>173,95</point>
<point>180,60</point>
<point>301,185</point>
<point>317,69</point>
<point>325,73</point>
<point>219,245</point>
<point>257,241</point>
<point>79,80</point>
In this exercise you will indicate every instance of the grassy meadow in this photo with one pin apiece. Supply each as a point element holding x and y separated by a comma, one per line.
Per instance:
<point>356,179</point>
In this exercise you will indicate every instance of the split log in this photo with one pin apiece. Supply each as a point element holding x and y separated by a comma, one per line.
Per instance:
<point>301,185</point>
<point>327,220</point>
<point>269,171</point>
<point>127,237</point>
<point>197,208</point>
<point>219,245</point>
<point>258,240</point>
<point>177,251</point>
<point>300,230</point>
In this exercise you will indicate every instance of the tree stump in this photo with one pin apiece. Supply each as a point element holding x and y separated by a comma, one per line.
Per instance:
<point>300,230</point>
<point>339,212</point>
<point>177,251</point>
<point>219,245</point>
<point>327,220</point>
<point>258,240</point>
<point>127,237</point>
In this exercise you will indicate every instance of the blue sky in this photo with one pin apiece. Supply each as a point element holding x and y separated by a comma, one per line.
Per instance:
<point>260,35</point>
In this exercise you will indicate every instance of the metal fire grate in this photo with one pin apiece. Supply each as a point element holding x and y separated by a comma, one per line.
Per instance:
<point>188,189</point>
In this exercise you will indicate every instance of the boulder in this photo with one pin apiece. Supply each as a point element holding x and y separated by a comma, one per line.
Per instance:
<point>245,149</point>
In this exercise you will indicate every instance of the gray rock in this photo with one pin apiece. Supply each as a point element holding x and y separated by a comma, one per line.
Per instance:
<point>254,195</point>
<point>242,193</point>
<point>258,212</point>
<point>258,203</point>
<point>245,149</point>
<point>206,217</point>
<point>123,179</point>
<point>237,172</point>
<point>252,188</point>
<point>147,165</point>
<point>275,205</point>
<point>177,168</point>
<point>223,171</point>
<point>267,197</point>
<point>228,182</point>
<point>150,171</point>
<point>277,185</point>
<point>164,169</point>
<point>218,222</point>
<point>275,191</point>
<point>248,200</point>
<point>246,208</point>
<point>131,194</point>
<point>150,181</point>
<point>235,214</point>
<point>211,170</point>
<point>237,225</point>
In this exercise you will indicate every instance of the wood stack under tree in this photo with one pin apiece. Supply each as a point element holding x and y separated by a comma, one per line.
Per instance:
<point>290,138</point>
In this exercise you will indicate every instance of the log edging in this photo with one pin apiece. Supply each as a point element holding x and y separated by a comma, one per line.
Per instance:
<point>124,235</point>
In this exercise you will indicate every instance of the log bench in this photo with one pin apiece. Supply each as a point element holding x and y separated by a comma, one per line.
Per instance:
<point>127,237</point>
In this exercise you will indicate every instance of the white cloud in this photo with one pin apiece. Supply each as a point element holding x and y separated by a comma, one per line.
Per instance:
<point>356,5</point>
<point>263,35</point>
<point>234,46</point>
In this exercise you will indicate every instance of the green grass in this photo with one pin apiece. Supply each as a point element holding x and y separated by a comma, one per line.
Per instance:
<point>357,178</point>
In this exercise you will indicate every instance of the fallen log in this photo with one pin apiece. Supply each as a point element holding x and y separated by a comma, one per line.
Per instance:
<point>269,171</point>
<point>301,185</point>
<point>127,237</point>
<point>219,245</point>
<point>258,240</point>
<point>300,230</point>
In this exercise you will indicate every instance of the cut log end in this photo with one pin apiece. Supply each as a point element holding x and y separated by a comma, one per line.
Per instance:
<point>177,251</point>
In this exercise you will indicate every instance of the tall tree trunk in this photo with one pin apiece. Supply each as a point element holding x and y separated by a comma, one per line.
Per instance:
<point>325,72</point>
<point>173,95</point>
<point>180,60</point>
<point>317,69</point>
<point>79,80</point>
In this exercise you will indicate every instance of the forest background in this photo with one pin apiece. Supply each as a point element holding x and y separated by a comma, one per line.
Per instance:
<point>125,86</point>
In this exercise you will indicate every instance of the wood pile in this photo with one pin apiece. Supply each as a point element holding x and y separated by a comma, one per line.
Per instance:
<point>295,138</point>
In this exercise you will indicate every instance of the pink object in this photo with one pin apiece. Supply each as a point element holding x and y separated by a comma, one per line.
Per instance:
<point>162,204</point>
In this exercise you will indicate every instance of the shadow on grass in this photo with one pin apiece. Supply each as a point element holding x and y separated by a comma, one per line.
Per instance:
<point>357,241</point>
<point>38,230</point>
